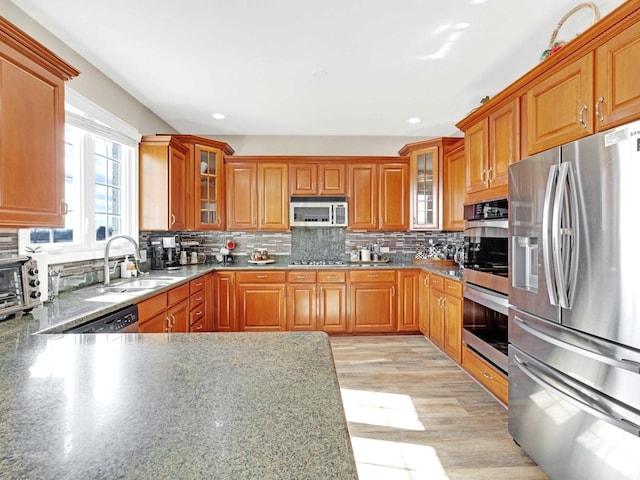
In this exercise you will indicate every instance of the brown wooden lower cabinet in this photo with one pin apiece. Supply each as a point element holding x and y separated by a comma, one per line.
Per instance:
<point>490,377</point>
<point>372,301</point>
<point>408,300</point>
<point>166,312</point>
<point>445,315</point>
<point>301,300</point>
<point>332,301</point>
<point>260,301</point>
<point>224,303</point>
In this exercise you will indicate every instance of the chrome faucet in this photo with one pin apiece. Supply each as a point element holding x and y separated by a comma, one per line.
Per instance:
<point>136,255</point>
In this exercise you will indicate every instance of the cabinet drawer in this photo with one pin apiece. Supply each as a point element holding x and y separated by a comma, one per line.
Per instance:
<point>261,277</point>
<point>196,315</point>
<point>198,326</point>
<point>196,299</point>
<point>152,307</point>
<point>301,277</point>
<point>436,281</point>
<point>453,287</point>
<point>486,374</point>
<point>178,294</point>
<point>373,276</point>
<point>332,277</point>
<point>195,285</point>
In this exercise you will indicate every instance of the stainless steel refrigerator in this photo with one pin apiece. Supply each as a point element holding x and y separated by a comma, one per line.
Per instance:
<point>574,318</point>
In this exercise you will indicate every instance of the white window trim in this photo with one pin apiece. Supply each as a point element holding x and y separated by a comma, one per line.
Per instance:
<point>100,120</point>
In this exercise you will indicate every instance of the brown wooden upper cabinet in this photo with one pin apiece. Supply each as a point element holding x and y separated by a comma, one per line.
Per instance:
<point>454,187</point>
<point>491,145</point>
<point>426,181</point>
<point>595,92</point>
<point>163,183</point>
<point>317,179</point>
<point>181,182</point>
<point>31,132</point>
<point>378,196</point>
<point>205,182</point>
<point>257,195</point>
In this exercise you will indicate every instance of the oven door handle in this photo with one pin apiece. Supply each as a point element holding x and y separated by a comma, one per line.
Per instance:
<point>503,223</point>
<point>487,298</point>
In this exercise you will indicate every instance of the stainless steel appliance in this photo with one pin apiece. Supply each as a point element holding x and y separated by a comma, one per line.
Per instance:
<point>486,286</point>
<point>318,212</point>
<point>124,320</point>
<point>574,320</point>
<point>165,252</point>
<point>19,285</point>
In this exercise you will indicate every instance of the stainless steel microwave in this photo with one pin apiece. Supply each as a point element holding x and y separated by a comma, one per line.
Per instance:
<point>318,212</point>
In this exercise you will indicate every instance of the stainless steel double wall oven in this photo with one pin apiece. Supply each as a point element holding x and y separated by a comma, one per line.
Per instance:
<point>486,281</point>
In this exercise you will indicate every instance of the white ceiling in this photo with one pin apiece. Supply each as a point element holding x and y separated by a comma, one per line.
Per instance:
<point>295,67</point>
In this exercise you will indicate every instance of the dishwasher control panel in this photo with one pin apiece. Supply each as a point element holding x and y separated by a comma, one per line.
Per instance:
<point>113,322</point>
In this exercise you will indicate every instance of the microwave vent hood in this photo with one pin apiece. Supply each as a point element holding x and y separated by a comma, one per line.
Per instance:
<point>317,199</point>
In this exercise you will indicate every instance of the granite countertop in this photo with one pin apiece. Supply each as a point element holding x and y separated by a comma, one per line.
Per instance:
<point>211,405</point>
<point>75,307</point>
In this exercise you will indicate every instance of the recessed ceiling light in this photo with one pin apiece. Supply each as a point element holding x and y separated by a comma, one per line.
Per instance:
<point>414,120</point>
<point>218,116</point>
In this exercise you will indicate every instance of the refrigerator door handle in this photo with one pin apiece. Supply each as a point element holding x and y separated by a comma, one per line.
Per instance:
<point>534,330</point>
<point>564,235</point>
<point>546,236</point>
<point>587,401</point>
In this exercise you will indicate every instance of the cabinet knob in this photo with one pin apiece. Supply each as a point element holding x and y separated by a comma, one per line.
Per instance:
<point>173,219</point>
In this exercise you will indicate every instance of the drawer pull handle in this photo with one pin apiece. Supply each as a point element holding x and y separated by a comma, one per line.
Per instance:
<point>371,275</point>
<point>198,299</point>
<point>262,276</point>
<point>486,375</point>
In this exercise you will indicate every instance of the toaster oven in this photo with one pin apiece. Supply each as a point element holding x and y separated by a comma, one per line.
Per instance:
<point>19,285</point>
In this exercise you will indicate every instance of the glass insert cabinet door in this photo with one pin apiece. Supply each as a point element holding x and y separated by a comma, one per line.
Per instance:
<point>209,164</point>
<point>425,189</point>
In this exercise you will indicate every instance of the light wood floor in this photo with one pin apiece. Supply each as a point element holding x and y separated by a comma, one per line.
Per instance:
<point>414,414</point>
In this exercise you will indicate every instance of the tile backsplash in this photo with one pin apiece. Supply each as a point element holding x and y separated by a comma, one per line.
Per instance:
<point>301,243</point>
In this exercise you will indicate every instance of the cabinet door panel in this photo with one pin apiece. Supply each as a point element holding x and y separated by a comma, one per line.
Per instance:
<point>363,196</point>
<point>332,308</point>
<point>504,141</point>
<point>476,148</point>
<point>394,195</point>
<point>372,308</point>
<point>32,141</point>
<point>616,82</point>
<point>425,188</point>
<point>303,179</point>
<point>436,327</point>
<point>156,324</point>
<point>242,201</point>
<point>554,106</point>
<point>273,199</point>
<point>424,303</point>
<point>331,179</point>
<point>454,189</point>
<point>179,316</point>
<point>261,307</point>
<point>301,307</point>
<point>453,327</point>
<point>224,311</point>
<point>408,304</point>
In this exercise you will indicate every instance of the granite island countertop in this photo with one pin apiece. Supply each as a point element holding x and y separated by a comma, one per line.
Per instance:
<point>208,405</point>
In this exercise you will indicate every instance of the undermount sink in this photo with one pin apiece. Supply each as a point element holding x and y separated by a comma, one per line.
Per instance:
<point>134,286</point>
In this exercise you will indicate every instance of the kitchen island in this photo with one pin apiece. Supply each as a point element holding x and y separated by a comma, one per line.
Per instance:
<point>215,406</point>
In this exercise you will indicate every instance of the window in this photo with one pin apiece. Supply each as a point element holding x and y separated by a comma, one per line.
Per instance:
<point>101,168</point>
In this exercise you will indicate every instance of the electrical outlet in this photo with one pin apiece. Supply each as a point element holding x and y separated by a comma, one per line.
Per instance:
<point>384,249</point>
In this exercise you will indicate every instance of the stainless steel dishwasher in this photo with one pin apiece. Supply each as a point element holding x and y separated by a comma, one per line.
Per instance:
<point>124,320</point>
